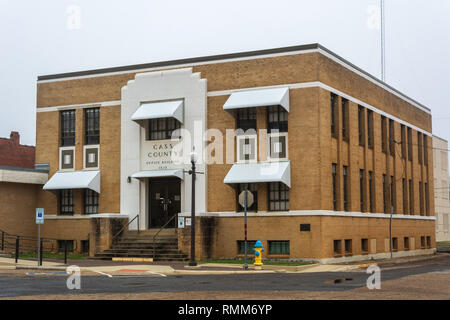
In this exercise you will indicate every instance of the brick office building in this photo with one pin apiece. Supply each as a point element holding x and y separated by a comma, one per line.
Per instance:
<point>332,152</point>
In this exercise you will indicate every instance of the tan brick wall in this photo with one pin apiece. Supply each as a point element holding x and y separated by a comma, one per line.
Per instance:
<point>18,208</point>
<point>217,237</point>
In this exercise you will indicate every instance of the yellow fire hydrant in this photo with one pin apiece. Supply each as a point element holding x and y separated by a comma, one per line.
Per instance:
<point>258,248</point>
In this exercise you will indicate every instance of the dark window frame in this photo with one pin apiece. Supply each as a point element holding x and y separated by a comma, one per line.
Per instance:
<point>278,193</point>
<point>371,191</point>
<point>92,126</point>
<point>410,148</point>
<point>370,129</point>
<point>345,122</point>
<point>361,127</point>
<point>91,200</point>
<point>283,248</point>
<point>345,174</point>
<point>333,110</point>
<point>162,128</point>
<point>66,202</point>
<point>392,137</point>
<point>67,125</point>
<point>419,147</point>
<point>384,134</point>
<point>246,119</point>
<point>334,186</point>
<point>362,190</point>
<point>277,119</point>
<point>403,137</point>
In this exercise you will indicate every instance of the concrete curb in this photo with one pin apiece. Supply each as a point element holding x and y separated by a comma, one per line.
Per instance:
<point>28,267</point>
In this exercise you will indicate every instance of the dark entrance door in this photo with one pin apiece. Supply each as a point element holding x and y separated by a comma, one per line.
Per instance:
<point>165,202</point>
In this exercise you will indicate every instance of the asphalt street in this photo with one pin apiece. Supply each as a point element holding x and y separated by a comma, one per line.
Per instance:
<point>13,285</point>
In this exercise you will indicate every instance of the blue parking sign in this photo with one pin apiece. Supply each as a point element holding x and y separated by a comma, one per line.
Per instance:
<point>39,215</point>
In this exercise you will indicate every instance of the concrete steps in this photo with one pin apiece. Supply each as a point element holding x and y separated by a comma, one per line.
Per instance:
<point>135,244</point>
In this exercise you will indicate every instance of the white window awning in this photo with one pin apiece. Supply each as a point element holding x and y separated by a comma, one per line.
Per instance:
<point>258,98</point>
<point>157,110</point>
<point>74,180</point>
<point>159,173</point>
<point>260,172</point>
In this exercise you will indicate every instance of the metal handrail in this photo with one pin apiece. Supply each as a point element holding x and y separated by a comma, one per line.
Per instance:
<point>157,233</point>
<point>125,226</point>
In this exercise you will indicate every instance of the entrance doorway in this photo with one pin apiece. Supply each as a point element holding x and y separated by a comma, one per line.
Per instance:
<point>164,202</point>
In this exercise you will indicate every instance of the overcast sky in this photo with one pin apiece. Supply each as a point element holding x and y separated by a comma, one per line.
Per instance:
<point>47,36</point>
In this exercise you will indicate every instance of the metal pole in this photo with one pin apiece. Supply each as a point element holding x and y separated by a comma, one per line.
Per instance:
<point>17,249</point>
<point>39,245</point>
<point>65,251</point>
<point>245,228</point>
<point>390,229</point>
<point>192,262</point>
<point>40,257</point>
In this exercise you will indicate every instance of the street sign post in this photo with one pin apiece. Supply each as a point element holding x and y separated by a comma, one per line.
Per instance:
<point>245,199</point>
<point>39,221</point>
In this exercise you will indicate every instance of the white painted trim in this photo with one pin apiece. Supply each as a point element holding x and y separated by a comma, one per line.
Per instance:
<point>19,176</point>
<point>319,84</point>
<point>91,146</point>
<point>278,134</point>
<point>296,213</point>
<point>80,106</point>
<point>86,216</point>
<point>61,149</point>
<point>319,50</point>
<point>300,85</point>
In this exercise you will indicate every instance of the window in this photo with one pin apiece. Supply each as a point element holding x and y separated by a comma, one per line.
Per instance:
<point>394,244</point>
<point>333,100</point>
<point>383,134</point>
<point>370,128</point>
<point>62,244</point>
<point>334,180</point>
<point>90,201</point>
<point>364,246</point>
<point>278,196</point>
<point>277,119</point>
<point>348,246</point>
<point>419,146</point>
<point>279,247</point>
<point>92,125</point>
<point>391,137</point>
<point>66,202</point>
<point>371,191</point>
<point>162,128</point>
<point>392,194</point>
<point>385,202</point>
<point>305,227</point>
<point>421,198</point>
<point>410,149</point>
<point>346,200</point>
<point>422,242</point>
<point>406,243</point>
<point>67,128</point>
<point>403,133</point>
<point>427,200</point>
<point>246,119</point>
<point>85,246</point>
<point>425,150</point>
<point>253,188</point>
<point>405,196</point>
<point>361,190</point>
<point>411,197</point>
<point>241,246</point>
<point>361,121</point>
<point>337,247</point>
<point>428,242</point>
<point>344,119</point>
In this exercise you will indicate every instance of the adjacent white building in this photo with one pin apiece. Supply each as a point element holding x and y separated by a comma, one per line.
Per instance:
<point>441,188</point>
